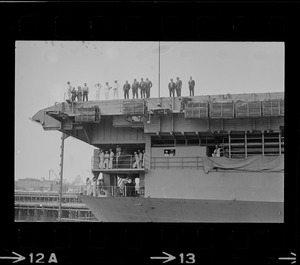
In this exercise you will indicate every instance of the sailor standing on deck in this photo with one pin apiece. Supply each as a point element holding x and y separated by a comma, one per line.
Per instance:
<point>79,93</point>
<point>135,86</point>
<point>129,188</point>
<point>94,185</point>
<point>98,87</point>
<point>88,186</point>
<point>136,162</point>
<point>106,159</point>
<point>85,90</point>
<point>74,94</point>
<point>122,186</point>
<point>178,87</point>
<point>142,88</point>
<point>143,163</point>
<point>140,158</point>
<point>116,90</point>
<point>118,153</point>
<point>101,156</point>
<point>148,85</point>
<point>191,86</point>
<point>217,152</point>
<point>111,158</point>
<point>126,89</point>
<point>171,88</point>
<point>107,88</point>
<point>69,92</point>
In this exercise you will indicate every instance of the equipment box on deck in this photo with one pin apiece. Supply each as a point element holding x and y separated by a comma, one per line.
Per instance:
<point>87,114</point>
<point>134,107</point>
<point>274,107</point>
<point>245,109</point>
<point>196,110</point>
<point>221,110</point>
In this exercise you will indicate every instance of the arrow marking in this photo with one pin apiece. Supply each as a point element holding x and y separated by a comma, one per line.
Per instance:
<point>17,259</point>
<point>167,259</point>
<point>289,258</point>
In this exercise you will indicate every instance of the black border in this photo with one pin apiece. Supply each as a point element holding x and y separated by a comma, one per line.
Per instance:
<point>166,21</point>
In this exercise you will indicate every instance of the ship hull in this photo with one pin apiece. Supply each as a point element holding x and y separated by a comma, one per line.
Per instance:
<point>135,209</point>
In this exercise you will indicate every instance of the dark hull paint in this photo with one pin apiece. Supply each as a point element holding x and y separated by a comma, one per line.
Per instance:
<point>134,209</point>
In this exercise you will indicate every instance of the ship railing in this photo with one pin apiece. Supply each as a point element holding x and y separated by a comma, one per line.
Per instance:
<point>120,191</point>
<point>120,162</point>
<point>170,162</point>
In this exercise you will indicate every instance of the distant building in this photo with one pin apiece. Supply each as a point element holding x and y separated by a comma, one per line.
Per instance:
<point>32,184</point>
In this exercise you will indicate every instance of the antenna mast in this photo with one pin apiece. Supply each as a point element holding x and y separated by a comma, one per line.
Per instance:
<point>159,69</point>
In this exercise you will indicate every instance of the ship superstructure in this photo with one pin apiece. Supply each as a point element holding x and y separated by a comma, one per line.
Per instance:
<point>180,180</point>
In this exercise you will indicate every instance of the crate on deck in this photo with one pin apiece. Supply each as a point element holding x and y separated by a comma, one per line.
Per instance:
<point>245,109</point>
<point>88,114</point>
<point>196,110</point>
<point>273,107</point>
<point>221,110</point>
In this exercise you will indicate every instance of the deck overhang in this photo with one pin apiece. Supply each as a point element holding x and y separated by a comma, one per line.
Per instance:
<point>120,170</point>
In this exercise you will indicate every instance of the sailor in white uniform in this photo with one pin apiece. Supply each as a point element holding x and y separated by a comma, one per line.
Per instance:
<point>111,158</point>
<point>217,152</point>
<point>98,87</point>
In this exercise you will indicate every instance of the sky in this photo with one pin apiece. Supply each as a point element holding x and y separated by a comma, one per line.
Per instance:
<point>44,67</point>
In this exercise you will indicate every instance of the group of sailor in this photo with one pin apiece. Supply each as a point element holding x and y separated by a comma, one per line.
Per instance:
<point>139,159</point>
<point>144,87</point>
<point>81,94</point>
<point>220,151</point>
<point>107,157</point>
<point>176,87</point>
<point>95,187</point>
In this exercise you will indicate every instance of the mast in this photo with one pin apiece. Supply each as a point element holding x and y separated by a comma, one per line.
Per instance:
<point>159,69</point>
<point>63,137</point>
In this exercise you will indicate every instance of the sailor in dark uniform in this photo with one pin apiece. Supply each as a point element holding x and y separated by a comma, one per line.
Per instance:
<point>191,86</point>
<point>74,94</point>
<point>178,87</point>
<point>135,86</point>
<point>142,88</point>
<point>172,88</point>
<point>148,85</point>
<point>126,89</point>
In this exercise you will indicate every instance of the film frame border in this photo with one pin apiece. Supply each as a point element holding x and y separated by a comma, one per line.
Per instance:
<point>227,22</point>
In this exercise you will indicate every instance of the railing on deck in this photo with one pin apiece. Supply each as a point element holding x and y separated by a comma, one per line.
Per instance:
<point>122,162</point>
<point>117,191</point>
<point>176,162</point>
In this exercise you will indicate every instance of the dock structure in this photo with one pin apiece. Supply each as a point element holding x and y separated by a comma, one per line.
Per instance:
<point>44,206</point>
<point>176,133</point>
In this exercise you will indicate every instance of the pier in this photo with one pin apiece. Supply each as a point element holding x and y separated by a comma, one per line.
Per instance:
<point>44,207</point>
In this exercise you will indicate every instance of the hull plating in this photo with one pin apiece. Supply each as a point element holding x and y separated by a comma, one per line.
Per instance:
<point>134,209</point>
